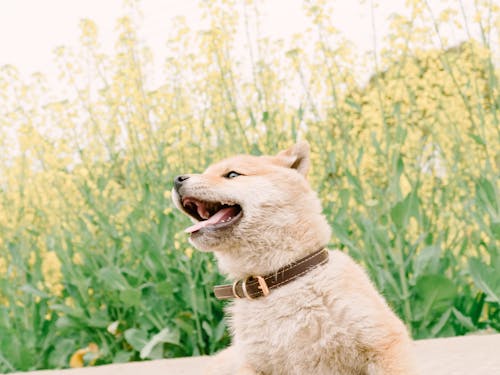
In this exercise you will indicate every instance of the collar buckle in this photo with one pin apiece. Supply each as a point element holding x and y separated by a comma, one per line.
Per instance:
<point>262,286</point>
<point>254,287</point>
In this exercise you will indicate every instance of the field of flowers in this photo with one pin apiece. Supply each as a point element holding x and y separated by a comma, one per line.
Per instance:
<point>94,265</point>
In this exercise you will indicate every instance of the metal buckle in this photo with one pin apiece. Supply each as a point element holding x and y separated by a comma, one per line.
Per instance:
<point>262,286</point>
<point>234,289</point>
<point>244,287</point>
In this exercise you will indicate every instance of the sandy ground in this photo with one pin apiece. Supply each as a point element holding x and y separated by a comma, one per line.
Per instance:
<point>474,355</point>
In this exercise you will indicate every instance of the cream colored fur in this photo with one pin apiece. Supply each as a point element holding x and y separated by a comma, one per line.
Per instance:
<point>331,320</point>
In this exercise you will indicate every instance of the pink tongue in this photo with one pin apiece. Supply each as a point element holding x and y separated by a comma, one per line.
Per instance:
<point>215,219</point>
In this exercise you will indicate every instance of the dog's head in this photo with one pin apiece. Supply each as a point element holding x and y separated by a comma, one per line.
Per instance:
<point>246,205</point>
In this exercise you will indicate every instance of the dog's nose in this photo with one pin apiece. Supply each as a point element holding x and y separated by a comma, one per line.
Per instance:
<point>178,182</point>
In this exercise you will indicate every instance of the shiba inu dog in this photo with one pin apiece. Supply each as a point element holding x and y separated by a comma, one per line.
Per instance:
<point>298,308</point>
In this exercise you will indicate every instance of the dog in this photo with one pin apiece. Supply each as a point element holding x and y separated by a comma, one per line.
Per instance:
<point>298,308</point>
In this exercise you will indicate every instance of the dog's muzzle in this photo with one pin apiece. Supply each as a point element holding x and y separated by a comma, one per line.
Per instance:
<point>178,182</point>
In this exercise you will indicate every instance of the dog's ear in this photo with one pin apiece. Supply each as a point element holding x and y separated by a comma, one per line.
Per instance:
<point>296,157</point>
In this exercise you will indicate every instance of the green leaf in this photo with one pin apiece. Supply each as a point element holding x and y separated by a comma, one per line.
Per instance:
<point>495,229</point>
<point>353,104</point>
<point>5,320</point>
<point>156,352</point>
<point>28,288</point>
<point>207,328</point>
<point>131,297</point>
<point>219,331</point>
<point>185,324</point>
<point>164,288</point>
<point>477,139</point>
<point>122,357</point>
<point>99,319</point>
<point>436,293</point>
<point>441,323</point>
<point>136,338</point>
<point>403,210</point>
<point>166,335</point>
<point>112,278</point>
<point>464,320</point>
<point>355,182</point>
<point>67,323</point>
<point>486,279</point>
<point>487,196</point>
<point>427,261</point>
<point>399,165</point>
<point>62,351</point>
<point>396,109</point>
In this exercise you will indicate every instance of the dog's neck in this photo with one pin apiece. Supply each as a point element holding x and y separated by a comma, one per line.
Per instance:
<point>265,253</point>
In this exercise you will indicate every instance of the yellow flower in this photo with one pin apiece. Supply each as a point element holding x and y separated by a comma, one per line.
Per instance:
<point>189,252</point>
<point>51,270</point>
<point>3,266</point>
<point>80,358</point>
<point>77,259</point>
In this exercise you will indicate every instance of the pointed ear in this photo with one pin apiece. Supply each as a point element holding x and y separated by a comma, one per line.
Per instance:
<point>296,157</point>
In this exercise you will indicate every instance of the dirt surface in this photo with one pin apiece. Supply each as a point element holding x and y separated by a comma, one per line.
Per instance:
<point>474,355</point>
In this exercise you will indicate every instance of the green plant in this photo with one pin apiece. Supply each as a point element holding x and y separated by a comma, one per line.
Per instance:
<point>92,254</point>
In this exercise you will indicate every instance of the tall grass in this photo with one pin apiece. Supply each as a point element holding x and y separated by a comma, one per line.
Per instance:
<point>94,267</point>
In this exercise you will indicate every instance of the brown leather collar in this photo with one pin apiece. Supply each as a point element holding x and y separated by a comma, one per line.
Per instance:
<point>258,286</point>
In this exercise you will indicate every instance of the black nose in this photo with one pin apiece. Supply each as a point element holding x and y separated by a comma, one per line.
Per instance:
<point>178,182</point>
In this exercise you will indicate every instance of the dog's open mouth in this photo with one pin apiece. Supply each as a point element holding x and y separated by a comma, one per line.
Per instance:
<point>210,215</point>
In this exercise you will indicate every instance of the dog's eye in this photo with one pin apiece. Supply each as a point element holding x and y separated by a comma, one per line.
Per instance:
<point>232,174</point>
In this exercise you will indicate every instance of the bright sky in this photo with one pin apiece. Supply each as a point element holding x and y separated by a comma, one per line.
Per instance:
<point>31,29</point>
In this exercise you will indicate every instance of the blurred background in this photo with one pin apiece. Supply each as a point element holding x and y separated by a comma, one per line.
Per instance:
<point>103,103</point>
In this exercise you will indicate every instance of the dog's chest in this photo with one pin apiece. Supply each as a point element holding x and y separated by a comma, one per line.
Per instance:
<point>295,330</point>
